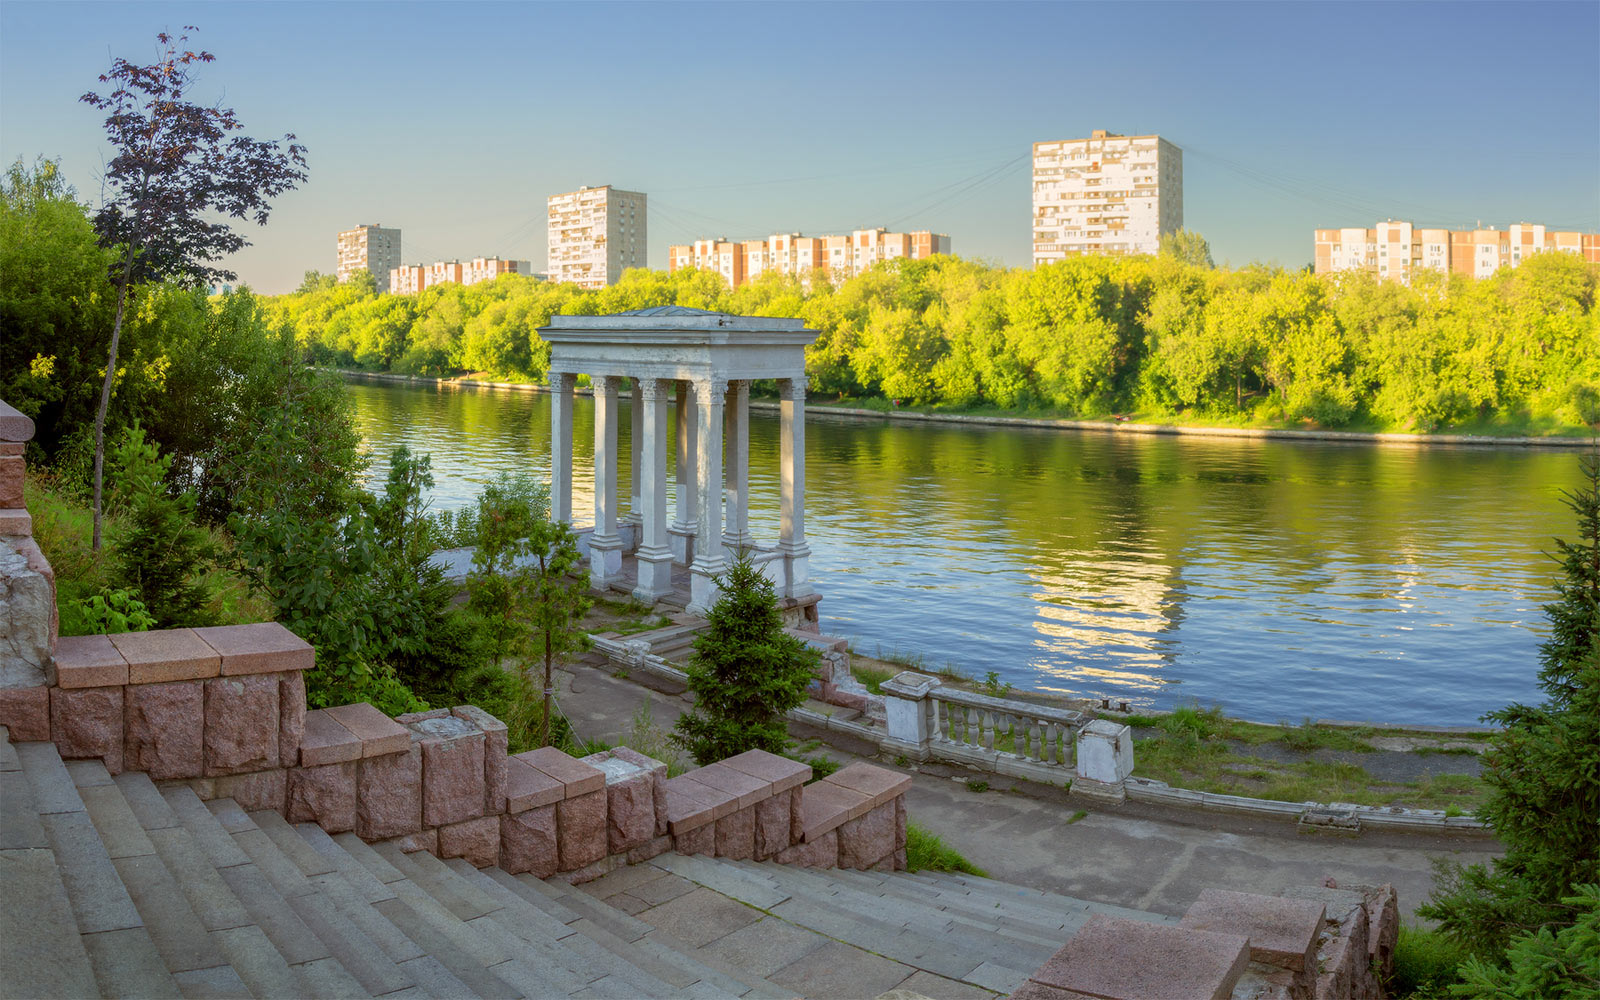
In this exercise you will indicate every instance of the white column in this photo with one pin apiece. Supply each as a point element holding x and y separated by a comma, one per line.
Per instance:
<point>736,533</point>
<point>708,561</point>
<point>605,547</point>
<point>654,554</point>
<point>792,488</point>
<point>635,515</point>
<point>687,522</point>
<point>561,446</point>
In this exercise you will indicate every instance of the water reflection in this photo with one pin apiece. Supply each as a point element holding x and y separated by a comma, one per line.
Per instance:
<point>1280,580</point>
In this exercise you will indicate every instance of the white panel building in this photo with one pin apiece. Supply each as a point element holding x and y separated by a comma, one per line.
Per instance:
<point>1107,194</point>
<point>596,233</point>
<point>371,247</point>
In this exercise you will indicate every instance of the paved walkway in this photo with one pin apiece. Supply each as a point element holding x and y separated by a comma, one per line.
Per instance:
<point>1145,857</point>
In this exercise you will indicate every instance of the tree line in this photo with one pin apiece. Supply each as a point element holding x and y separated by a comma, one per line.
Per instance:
<point>1163,336</point>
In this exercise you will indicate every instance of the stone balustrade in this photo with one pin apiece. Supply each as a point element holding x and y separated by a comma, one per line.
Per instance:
<point>28,620</point>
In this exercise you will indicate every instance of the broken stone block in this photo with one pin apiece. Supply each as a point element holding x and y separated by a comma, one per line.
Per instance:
<point>736,834</point>
<point>476,840</point>
<point>164,729</point>
<point>658,773</point>
<point>324,795</point>
<point>868,840</point>
<point>257,790</point>
<point>581,829</point>
<point>86,723</point>
<point>652,848</point>
<point>630,800</point>
<point>241,733</point>
<point>699,840</point>
<point>452,770</point>
<point>422,841</point>
<point>820,852</point>
<point>495,744</point>
<point>528,842</point>
<point>291,716</point>
<point>1283,933</point>
<point>389,795</point>
<point>772,825</point>
<point>25,711</point>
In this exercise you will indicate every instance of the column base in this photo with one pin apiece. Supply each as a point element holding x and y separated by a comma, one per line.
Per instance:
<point>655,573</point>
<point>797,570</point>
<point>703,589</point>
<point>680,539</point>
<point>605,561</point>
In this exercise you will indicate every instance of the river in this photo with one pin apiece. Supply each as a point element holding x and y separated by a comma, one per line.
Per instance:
<point>1281,580</point>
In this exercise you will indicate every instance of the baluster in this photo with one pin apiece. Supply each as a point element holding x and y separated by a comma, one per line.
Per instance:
<point>993,730</point>
<point>1048,739</point>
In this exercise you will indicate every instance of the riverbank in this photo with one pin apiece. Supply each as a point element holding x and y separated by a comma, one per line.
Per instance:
<point>1112,425</point>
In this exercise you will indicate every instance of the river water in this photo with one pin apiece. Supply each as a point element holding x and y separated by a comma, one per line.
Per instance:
<point>1281,580</point>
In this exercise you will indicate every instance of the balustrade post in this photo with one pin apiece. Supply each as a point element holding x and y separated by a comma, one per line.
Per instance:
<point>909,710</point>
<point>1105,760</point>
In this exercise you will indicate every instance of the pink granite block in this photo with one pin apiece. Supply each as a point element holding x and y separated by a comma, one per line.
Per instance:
<point>324,795</point>
<point>736,835</point>
<point>824,808</point>
<point>389,795</point>
<point>378,733</point>
<point>1282,932</point>
<point>528,842</point>
<point>900,823</point>
<point>527,787</point>
<point>477,840</point>
<point>12,447</point>
<point>1031,990</point>
<point>1115,957</point>
<point>700,840</point>
<point>773,820</point>
<point>257,790</point>
<point>495,745</point>
<point>176,654</point>
<point>423,841</point>
<point>900,860</point>
<point>82,661</point>
<point>164,729</point>
<point>630,812</point>
<point>16,521</point>
<point>868,840</point>
<point>291,716</point>
<point>745,789</point>
<point>877,783</point>
<point>691,804</point>
<point>324,741</point>
<point>658,774</point>
<point>780,772</point>
<point>578,777</point>
<point>581,829</point>
<point>26,713</point>
<point>87,723</point>
<point>653,848</point>
<point>241,724</point>
<point>13,469</point>
<point>1383,925</point>
<point>822,852</point>
<point>258,648</point>
<point>432,713</point>
<point>797,816</point>
<point>452,770</point>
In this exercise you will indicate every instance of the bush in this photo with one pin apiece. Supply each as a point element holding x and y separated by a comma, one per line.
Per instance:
<point>1425,963</point>
<point>746,672</point>
<point>105,613</point>
<point>163,556</point>
<point>1545,966</point>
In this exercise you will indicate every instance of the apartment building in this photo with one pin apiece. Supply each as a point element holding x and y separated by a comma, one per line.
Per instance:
<point>841,256</point>
<point>1107,194</point>
<point>371,247</point>
<point>1397,250</point>
<point>409,279</point>
<point>596,233</point>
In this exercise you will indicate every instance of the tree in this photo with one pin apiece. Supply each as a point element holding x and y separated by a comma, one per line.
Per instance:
<point>1187,246</point>
<point>746,672</point>
<point>164,555</point>
<point>557,602</point>
<point>176,169</point>
<point>1543,769</point>
<point>1545,966</point>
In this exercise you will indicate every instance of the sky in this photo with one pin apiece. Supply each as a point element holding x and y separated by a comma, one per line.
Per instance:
<point>455,121</point>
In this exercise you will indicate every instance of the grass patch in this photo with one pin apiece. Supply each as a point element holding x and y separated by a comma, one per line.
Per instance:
<point>926,852</point>
<point>1425,963</point>
<point>872,677</point>
<point>1446,751</point>
<point>977,785</point>
<point>647,624</point>
<point>906,661</point>
<point>651,740</point>
<point>1080,814</point>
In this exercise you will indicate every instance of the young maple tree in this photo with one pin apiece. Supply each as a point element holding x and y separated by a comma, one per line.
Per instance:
<point>178,168</point>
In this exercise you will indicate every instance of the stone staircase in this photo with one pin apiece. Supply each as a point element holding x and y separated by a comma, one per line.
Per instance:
<point>119,886</point>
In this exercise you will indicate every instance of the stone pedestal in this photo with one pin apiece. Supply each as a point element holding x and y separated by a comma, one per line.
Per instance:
<point>909,714</point>
<point>1105,752</point>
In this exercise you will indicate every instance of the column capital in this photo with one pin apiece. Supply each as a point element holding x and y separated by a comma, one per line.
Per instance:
<point>793,388</point>
<point>710,390</point>
<point>562,381</point>
<point>655,389</point>
<point>605,383</point>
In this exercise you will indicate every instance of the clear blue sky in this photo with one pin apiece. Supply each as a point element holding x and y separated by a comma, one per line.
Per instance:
<point>454,121</point>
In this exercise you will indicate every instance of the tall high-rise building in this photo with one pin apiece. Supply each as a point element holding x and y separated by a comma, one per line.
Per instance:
<point>1109,193</point>
<point>596,233</point>
<point>371,247</point>
<point>790,253</point>
<point>1398,249</point>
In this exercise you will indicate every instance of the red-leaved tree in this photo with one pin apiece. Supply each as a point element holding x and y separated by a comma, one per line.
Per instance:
<point>179,171</point>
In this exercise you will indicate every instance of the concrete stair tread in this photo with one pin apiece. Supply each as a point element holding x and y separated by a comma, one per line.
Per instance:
<point>47,943</point>
<point>1042,925</point>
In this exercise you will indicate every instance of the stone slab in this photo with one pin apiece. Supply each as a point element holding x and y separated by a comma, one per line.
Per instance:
<point>48,944</point>
<point>378,733</point>
<point>880,784</point>
<point>389,795</point>
<point>869,839</point>
<point>1282,932</point>
<point>824,808</point>
<point>241,733</point>
<point>452,774</point>
<point>780,772</point>
<point>691,805</point>
<point>476,840</point>
<point>528,842</point>
<point>326,741</point>
<point>168,655</point>
<point>325,795</point>
<point>581,829</point>
<point>577,777</point>
<point>257,648</point>
<point>527,787</point>
<point>736,834</point>
<point>83,661</point>
<point>1114,957</point>
<point>746,788</point>
<point>164,729</point>
<point>87,722</point>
